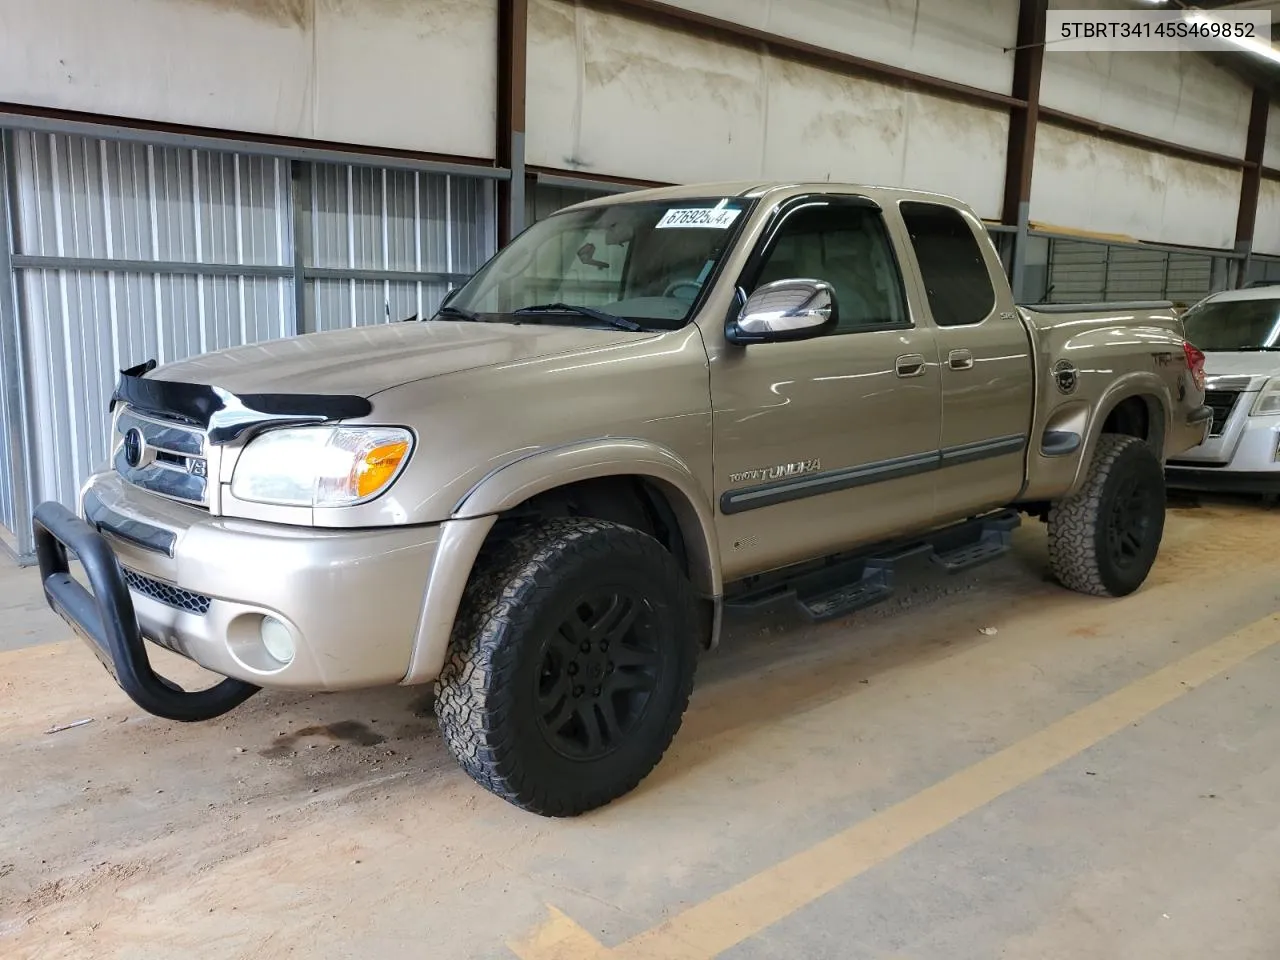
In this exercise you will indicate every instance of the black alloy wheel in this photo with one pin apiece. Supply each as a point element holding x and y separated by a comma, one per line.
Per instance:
<point>599,670</point>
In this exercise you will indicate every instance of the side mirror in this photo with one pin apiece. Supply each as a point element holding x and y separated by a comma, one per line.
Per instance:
<point>785,310</point>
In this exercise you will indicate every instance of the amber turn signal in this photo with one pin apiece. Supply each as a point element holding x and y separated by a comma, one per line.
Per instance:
<point>378,466</point>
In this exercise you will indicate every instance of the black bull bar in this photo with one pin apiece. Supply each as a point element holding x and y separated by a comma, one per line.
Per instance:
<point>106,620</point>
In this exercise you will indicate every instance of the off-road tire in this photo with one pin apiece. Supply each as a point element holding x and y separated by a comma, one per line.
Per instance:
<point>1082,541</point>
<point>487,695</point>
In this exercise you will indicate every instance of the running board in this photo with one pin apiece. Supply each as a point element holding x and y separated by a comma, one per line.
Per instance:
<point>843,584</point>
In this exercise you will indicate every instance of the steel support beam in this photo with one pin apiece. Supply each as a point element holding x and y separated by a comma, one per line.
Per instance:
<point>1028,67</point>
<point>1251,181</point>
<point>513,46</point>
<point>13,379</point>
<point>18,117</point>
<point>1103,131</point>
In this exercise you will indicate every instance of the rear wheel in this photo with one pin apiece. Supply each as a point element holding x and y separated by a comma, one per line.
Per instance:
<point>1104,539</point>
<point>570,666</point>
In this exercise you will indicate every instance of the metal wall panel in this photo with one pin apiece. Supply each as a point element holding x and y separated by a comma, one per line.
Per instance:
<point>11,378</point>
<point>362,221</point>
<point>542,200</point>
<point>128,251</point>
<point>1263,270</point>
<point>83,204</point>
<point>1082,271</point>
<point>339,71</point>
<point>1077,271</point>
<point>84,326</point>
<point>8,511</point>
<point>1108,187</point>
<point>685,108</point>
<point>336,304</point>
<point>102,199</point>
<point>1190,277</point>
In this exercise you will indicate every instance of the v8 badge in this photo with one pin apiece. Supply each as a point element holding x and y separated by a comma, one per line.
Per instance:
<point>1065,375</point>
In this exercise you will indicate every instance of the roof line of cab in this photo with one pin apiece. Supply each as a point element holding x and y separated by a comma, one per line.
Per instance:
<point>754,189</point>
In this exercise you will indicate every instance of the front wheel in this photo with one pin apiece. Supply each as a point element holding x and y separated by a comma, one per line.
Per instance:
<point>570,666</point>
<point>1103,540</point>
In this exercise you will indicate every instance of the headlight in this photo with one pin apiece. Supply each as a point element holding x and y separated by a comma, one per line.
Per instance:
<point>320,466</point>
<point>1268,400</point>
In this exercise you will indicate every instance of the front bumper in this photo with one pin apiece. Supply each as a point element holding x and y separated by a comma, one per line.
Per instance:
<point>1222,481</point>
<point>1246,459</point>
<point>352,600</point>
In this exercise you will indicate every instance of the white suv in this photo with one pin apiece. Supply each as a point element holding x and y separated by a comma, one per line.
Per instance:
<point>1239,331</point>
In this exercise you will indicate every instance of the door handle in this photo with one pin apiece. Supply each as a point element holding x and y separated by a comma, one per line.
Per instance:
<point>909,365</point>
<point>960,360</point>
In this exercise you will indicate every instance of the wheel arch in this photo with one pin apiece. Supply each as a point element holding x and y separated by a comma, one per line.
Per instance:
<point>1137,406</point>
<point>663,479</point>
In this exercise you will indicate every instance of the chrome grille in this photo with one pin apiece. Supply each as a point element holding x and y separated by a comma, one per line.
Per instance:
<point>167,593</point>
<point>162,457</point>
<point>1220,382</point>
<point>1222,402</point>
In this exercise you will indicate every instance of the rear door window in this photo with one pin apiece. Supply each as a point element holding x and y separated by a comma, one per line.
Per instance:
<point>956,277</point>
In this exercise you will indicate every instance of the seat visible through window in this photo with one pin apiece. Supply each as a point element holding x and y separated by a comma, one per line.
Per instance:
<point>847,247</point>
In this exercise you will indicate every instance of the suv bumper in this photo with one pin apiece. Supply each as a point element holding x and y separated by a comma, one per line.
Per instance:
<point>353,601</point>
<point>1252,461</point>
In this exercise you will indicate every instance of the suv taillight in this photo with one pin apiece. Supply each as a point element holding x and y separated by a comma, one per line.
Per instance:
<point>1195,363</point>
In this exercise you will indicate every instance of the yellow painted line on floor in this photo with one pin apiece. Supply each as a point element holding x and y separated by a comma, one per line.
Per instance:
<point>713,926</point>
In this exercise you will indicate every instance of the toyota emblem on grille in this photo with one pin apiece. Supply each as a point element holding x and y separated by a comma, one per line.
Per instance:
<point>133,447</point>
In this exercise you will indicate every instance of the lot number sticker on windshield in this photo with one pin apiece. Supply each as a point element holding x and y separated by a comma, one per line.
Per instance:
<point>717,218</point>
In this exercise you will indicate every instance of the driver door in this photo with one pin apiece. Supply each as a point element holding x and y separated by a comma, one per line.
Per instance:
<point>827,443</point>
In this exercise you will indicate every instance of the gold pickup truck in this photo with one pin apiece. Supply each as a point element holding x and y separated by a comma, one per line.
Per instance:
<point>644,409</point>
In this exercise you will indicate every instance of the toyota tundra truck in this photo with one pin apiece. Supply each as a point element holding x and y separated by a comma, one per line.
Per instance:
<point>644,410</point>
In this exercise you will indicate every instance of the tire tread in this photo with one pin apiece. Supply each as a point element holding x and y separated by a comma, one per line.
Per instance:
<point>498,606</point>
<point>1073,543</point>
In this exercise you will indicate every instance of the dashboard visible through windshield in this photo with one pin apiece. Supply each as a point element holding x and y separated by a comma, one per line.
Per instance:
<point>645,262</point>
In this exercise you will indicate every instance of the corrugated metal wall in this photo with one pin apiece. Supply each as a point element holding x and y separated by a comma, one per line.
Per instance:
<point>361,221</point>
<point>541,200</point>
<point>1082,271</point>
<point>125,251</point>
<point>1263,270</point>
<point>82,202</point>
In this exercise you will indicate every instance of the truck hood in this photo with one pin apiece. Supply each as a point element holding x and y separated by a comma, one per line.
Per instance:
<point>367,360</point>
<point>1252,364</point>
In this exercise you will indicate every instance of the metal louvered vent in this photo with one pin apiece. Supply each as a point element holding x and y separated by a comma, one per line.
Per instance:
<point>167,593</point>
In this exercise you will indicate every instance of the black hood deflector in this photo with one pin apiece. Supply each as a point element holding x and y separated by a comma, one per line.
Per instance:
<point>225,416</point>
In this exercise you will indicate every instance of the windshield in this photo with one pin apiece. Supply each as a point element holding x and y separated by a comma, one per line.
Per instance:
<point>1225,325</point>
<point>643,261</point>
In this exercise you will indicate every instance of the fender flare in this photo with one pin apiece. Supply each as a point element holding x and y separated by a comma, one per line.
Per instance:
<point>514,483</point>
<point>1141,384</point>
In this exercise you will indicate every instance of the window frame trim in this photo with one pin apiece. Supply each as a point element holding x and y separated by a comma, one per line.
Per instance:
<point>764,246</point>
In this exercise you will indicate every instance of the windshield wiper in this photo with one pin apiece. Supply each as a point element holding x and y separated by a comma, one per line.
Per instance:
<point>622,323</point>
<point>459,313</point>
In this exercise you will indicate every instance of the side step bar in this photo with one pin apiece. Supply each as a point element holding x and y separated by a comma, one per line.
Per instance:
<point>843,584</point>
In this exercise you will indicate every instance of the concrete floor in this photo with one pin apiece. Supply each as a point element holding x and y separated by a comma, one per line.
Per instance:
<point>1096,779</point>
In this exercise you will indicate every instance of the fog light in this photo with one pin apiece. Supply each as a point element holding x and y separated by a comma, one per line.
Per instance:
<point>277,639</point>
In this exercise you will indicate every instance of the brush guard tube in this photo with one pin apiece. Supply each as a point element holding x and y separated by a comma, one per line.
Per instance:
<point>105,619</point>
